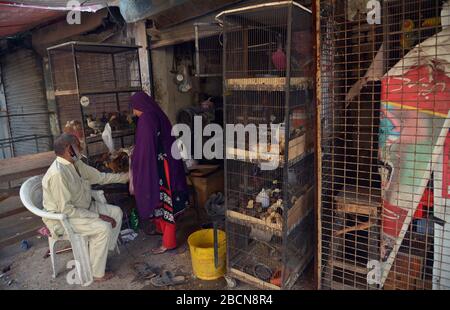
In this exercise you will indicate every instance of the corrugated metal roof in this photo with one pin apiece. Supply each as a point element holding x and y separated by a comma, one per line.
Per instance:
<point>20,16</point>
<point>17,19</point>
<point>86,5</point>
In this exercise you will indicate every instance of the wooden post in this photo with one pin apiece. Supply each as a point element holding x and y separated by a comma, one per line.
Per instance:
<point>140,36</point>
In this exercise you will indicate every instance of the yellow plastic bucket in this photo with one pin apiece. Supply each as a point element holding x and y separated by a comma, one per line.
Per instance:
<point>201,246</point>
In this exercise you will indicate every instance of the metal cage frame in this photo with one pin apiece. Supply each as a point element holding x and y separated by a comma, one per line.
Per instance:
<point>76,50</point>
<point>284,87</point>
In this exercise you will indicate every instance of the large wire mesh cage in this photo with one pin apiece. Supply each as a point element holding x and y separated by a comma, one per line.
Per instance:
<point>269,170</point>
<point>385,145</point>
<point>92,86</point>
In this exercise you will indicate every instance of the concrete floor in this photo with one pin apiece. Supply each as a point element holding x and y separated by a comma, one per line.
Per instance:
<point>30,270</point>
<point>16,223</point>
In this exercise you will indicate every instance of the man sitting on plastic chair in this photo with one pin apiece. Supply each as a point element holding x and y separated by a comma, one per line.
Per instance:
<point>67,189</point>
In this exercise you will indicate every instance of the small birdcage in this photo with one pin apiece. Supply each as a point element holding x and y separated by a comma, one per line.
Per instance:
<point>92,85</point>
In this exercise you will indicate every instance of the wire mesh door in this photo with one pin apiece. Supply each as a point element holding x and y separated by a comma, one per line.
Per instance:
<point>385,143</point>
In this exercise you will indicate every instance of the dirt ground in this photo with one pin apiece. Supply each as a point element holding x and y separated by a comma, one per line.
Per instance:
<point>30,270</point>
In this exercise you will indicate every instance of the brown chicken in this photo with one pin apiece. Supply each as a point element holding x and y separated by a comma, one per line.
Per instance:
<point>118,162</point>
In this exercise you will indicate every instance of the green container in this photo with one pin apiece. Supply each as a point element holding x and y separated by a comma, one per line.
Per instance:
<point>134,220</point>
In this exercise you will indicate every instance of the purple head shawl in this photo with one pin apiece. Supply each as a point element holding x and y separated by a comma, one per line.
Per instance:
<point>144,159</point>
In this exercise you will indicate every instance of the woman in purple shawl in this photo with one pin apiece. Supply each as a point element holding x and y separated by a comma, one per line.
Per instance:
<point>159,180</point>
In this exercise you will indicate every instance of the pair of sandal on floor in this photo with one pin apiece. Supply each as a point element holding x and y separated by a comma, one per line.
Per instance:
<point>167,278</point>
<point>158,277</point>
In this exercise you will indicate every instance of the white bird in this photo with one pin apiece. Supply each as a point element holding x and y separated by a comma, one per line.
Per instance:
<point>94,124</point>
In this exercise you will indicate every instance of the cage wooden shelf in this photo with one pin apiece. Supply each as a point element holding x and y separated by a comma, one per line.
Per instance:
<point>352,266</point>
<point>115,134</point>
<point>296,151</point>
<point>301,208</point>
<point>71,92</point>
<point>253,157</point>
<point>245,277</point>
<point>268,83</point>
<point>358,200</point>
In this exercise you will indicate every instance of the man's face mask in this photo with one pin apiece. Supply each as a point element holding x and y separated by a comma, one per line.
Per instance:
<point>75,152</point>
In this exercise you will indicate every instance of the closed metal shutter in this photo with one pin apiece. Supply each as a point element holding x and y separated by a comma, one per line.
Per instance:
<point>25,98</point>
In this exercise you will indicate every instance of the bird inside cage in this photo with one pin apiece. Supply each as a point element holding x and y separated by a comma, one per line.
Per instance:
<point>118,162</point>
<point>279,57</point>
<point>95,125</point>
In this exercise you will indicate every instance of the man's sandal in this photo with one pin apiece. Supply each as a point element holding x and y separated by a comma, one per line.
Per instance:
<point>167,278</point>
<point>108,276</point>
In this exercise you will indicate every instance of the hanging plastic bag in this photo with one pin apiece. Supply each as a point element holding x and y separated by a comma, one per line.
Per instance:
<point>131,187</point>
<point>107,138</point>
<point>130,172</point>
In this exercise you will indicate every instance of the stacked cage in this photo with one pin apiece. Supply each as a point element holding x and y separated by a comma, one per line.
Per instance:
<point>92,85</point>
<point>385,140</point>
<point>269,166</point>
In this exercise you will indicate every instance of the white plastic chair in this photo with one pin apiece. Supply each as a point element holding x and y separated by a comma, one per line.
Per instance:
<point>31,197</point>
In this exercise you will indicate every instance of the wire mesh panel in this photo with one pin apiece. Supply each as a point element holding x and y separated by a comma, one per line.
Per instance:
<point>269,183</point>
<point>208,49</point>
<point>93,84</point>
<point>385,130</point>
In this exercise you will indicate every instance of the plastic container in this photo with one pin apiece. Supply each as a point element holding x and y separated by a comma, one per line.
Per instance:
<point>201,246</point>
